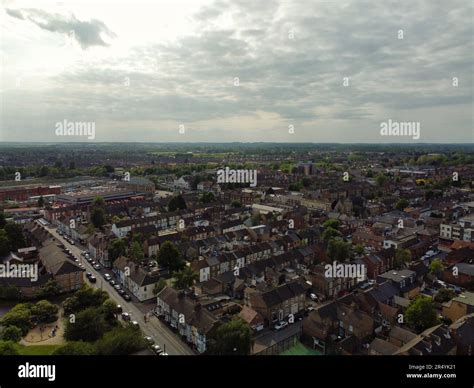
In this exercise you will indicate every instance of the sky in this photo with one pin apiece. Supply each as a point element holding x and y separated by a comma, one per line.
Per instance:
<point>237,70</point>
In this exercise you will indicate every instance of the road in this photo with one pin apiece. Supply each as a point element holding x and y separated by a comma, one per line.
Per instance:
<point>154,328</point>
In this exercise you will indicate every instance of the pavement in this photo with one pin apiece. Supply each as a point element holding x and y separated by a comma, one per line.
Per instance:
<point>153,327</point>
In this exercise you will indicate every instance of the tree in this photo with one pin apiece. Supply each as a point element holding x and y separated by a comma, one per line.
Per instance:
<point>120,341</point>
<point>236,204</point>
<point>436,266</point>
<point>207,197</point>
<point>98,212</point>
<point>40,201</point>
<point>176,203</point>
<point>76,348</point>
<point>444,295</point>
<point>232,338</point>
<point>110,310</point>
<point>136,252</point>
<point>11,333</point>
<point>7,348</point>
<point>45,311</point>
<point>4,244</point>
<point>185,278</point>
<point>338,250</point>
<point>50,289</point>
<point>10,292</point>
<point>334,224</point>
<point>402,256</point>
<point>89,325</point>
<point>117,248</point>
<point>401,204</point>
<point>159,286</point>
<point>15,236</point>
<point>381,180</point>
<point>359,249</point>
<point>421,313</point>
<point>18,316</point>
<point>3,221</point>
<point>169,257</point>
<point>330,233</point>
<point>84,298</point>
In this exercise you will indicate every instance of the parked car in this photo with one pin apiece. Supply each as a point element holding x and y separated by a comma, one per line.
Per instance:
<point>281,325</point>
<point>135,324</point>
<point>92,279</point>
<point>88,274</point>
<point>121,291</point>
<point>126,297</point>
<point>119,308</point>
<point>112,282</point>
<point>126,316</point>
<point>148,340</point>
<point>156,349</point>
<point>117,287</point>
<point>97,266</point>
<point>107,277</point>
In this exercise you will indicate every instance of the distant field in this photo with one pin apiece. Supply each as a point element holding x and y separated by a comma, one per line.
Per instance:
<point>36,350</point>
<point>300,350</point>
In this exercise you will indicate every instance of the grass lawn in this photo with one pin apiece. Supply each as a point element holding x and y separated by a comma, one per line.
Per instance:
<point>36,350</point>
<point>300,350</point>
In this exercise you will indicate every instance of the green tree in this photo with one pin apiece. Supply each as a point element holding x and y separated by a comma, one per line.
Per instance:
<point>40,201</point>
<point>18,316</point>
<point>330,233</point>
<point>359,249</point>
<point>421,314</point>
<point>50,289</point>
<point>445,295</point>
<point>334,224</point>
<point>184,278</point>
<point>338,250</point>
<point>120,341</point>
<point>110,310</point>
<point>4,244</point>
<point>117,248</point>
<point>84,298</point>
<point>89,325</point>
<point>45,311</point>
<point>98,212</point>
<point>10,292</point>
<point>436,266</point>
<point>402,256</point>
<point>7,348</point>
<point>176,203</point>
<point>15,236</point>
<point>169,257</point>
<point>11,333</point>
<point>381,180</point>
<point>207,197</point>
<point>401,204</point>
<point>159,286</point>
<point>136,252</point>
<point>76,348</point>
<point>3,221</point>
<point>236,204</point>
<point>231,338</point>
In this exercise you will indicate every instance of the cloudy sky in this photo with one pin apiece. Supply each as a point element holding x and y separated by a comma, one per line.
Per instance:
<point>237,70</point>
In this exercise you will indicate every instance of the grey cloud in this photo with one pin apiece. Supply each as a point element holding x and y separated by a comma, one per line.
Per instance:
<point>86,33</point>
